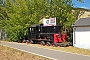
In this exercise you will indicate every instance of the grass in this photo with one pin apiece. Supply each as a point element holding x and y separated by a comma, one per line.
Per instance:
<point>7,53</point>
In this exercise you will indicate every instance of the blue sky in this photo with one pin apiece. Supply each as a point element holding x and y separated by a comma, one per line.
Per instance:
<point>86,4</point>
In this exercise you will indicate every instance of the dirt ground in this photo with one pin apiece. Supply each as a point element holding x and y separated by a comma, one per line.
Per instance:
<point>7,53</point>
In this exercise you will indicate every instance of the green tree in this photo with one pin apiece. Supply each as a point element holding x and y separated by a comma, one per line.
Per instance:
<point>19,20</point>
<point>19,14</point>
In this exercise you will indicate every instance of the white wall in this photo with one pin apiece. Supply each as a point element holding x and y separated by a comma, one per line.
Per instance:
<point>82,37</point>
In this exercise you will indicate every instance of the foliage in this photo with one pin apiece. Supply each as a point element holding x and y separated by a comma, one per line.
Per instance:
<point>17,15</point>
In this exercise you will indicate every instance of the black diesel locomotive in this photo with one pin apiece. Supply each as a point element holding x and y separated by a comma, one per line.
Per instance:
<point>46,35</point>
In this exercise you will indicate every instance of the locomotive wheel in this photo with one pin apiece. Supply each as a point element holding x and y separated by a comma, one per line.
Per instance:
<point>62,45</point>
<point>70,44</point>
<point>31,42</point>
<point>42,43</point>
<point>54,44</point>
<point>27,41</point>
<point>48,44</point>
<point>23,41</point>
